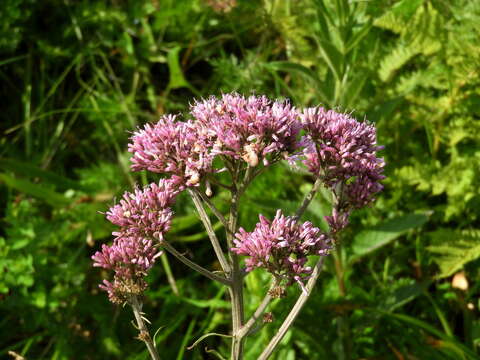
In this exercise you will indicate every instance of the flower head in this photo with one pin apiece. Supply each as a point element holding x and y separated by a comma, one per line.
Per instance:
<point>145,212</point>
<point>172,147</point>
<point>281,246</point>
<point>248,128</point>
<point>130,258</point>
<point>343,152</point>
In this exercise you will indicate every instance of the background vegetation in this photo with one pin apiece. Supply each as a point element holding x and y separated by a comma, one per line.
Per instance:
<point>78,76</point>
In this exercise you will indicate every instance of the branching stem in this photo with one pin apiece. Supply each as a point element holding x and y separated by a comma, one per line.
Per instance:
<point>194,265</point>
<point>211,233</point>
<point>213,208</point>
<point>308,198</point>
<point>246,329</point>
<point>302,299</point>
<point>144,335</point>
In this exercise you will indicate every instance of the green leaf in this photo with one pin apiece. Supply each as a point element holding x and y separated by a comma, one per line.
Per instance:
<point>20,243</point>
<point>406,8</point>
<point>29,170</point>
<point>39,298</point>
<point>402,295</point>
<point>182,223</point>
<point>368,241</point>
<point>448,342</point>
<point>212,303</point>
<point>332,57</point>
<point>456,248</point>
<point>112,346</point>
<point>49,196</point>
<point>177,79</point>
<point>309,74</point>
<point>359,35</point>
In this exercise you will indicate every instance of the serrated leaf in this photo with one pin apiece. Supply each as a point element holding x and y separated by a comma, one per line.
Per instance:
<point>395,60</point>
<point>406,8</point>
<point>457,248</point>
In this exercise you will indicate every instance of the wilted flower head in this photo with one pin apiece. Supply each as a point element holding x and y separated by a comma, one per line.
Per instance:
<point>130,258</point>
<point>281,246</point>
<point>248,128</point>
<point>172,147</point>
<point>342,151</point>
<point>146,212</point>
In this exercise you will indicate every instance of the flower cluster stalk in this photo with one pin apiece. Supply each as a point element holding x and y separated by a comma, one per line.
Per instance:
<point>144,334</point>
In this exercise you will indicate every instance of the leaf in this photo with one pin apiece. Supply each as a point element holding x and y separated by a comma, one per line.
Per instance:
<point>111,346</point>
<point>182,223</point>
<point>289,67</point>
<point>20,243</point>
<point>177,79</point>
<point>395,60</point>
<point>457,248</point>
<point>406,8</point>
<point>447,340</point>
<point>49,196</point>
<point>332,57</point>
<point>27,169</point>
<point>368,241</point>
<point>212,303</point>
<point>359,35</point>
<point>403,294</point>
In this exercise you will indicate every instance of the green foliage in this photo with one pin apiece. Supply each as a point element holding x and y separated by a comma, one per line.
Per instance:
<point>454,249</point>
<point>78,76</point>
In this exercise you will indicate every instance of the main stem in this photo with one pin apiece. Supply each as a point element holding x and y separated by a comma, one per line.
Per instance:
<point>343,322</point>
<point>236,289</point>
<point>144,335</point>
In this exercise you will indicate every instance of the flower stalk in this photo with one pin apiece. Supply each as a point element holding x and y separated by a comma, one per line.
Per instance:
<point>144,334</point>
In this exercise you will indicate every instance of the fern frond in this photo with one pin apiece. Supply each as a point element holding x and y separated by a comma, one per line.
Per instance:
<point>395,60</point>
<point>457,249</point>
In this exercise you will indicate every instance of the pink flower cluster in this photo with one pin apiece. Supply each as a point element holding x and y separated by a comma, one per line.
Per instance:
<point>145,213</point>
<point>130,258</point>
<point>252,131</point>
<point>143,216</point>
<point>342,151</point>
<point>172,147</point>
<point>282,247</point>
<point>248,128</point>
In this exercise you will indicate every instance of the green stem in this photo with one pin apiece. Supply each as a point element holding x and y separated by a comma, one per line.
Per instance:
<point>211,233</point>
<point>246,329</point>
<point>168,272</point>
<point>194,265</point>
<point>302,299</point>
<point>144,335</point>
<point>343,323</point>
<point>236,289</point>
<point>308,198</point>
